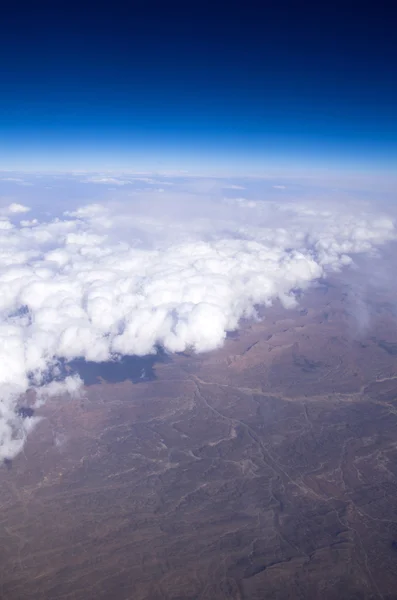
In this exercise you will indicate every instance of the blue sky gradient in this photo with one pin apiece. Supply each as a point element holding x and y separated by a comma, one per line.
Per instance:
<point>150,87</point>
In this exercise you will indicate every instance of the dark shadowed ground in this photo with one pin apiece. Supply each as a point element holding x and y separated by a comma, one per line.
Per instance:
<point>264,470</point>
<point>128,368</point>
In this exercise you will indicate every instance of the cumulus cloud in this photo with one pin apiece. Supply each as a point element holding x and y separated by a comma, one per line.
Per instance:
<point>18,208</point>
<point>122,278</point>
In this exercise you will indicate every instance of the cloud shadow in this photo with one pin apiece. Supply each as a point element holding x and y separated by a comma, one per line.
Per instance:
<point>128,368</point>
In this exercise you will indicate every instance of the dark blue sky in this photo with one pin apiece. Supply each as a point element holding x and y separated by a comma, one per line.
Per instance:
<point>176,85</point>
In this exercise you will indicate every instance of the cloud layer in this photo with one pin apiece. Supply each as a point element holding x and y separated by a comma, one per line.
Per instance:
<point>122,278</point>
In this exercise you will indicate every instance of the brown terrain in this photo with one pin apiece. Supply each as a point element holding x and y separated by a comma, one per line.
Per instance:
<point>264,470</point>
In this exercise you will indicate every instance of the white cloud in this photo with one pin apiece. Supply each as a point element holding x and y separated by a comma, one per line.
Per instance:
<point>18,181</point>
<point>106,180</point>
<point>27,223</point>
<point>243,202</point>
<point>5,224</point>
<point>166,269</point>
<point>18,208</point>
<point>279,187</point>
<point>70,385</point>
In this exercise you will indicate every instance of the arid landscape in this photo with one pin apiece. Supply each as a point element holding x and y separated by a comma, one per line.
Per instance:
<point>198,301</point>
<point>264,470</point>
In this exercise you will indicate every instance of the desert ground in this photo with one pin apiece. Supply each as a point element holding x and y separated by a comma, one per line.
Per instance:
<point>266,469</point>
